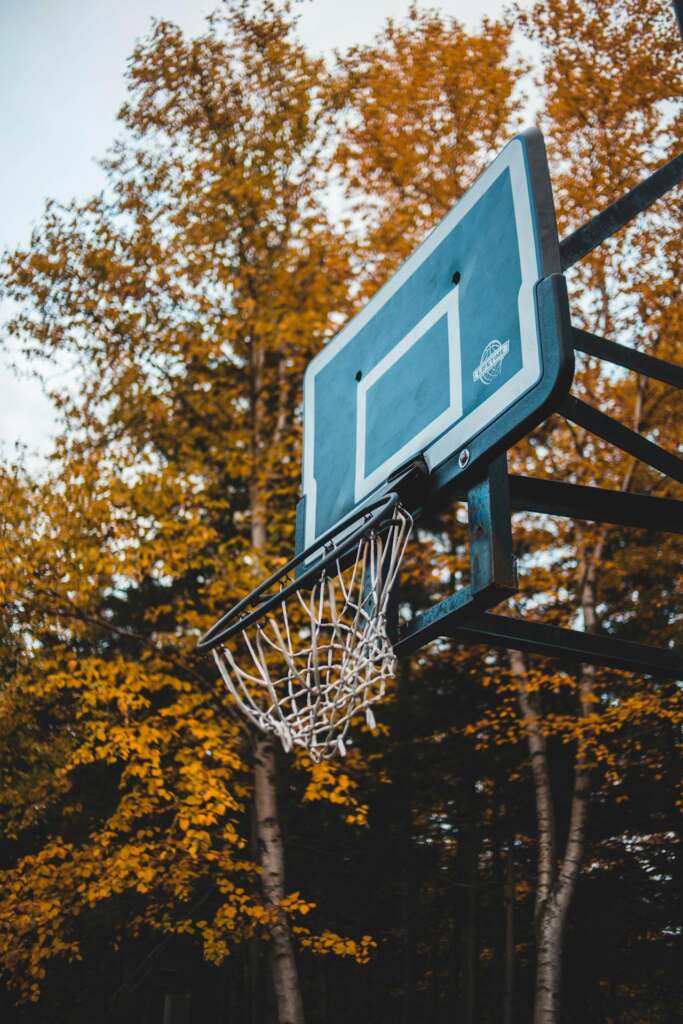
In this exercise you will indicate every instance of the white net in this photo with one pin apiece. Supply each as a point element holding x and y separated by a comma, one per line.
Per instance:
<point>304,672</point>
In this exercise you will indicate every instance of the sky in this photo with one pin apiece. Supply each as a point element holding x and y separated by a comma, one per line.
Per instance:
<point>62,68</point>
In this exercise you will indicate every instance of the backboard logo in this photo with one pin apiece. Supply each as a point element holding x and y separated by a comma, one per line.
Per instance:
<point>491,361</point>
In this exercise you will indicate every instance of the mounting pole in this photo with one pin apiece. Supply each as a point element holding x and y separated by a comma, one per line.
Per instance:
<point>493,576</point>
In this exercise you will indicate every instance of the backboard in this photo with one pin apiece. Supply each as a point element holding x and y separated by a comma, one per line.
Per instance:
<point>466,348</point>
<point>455,358</point>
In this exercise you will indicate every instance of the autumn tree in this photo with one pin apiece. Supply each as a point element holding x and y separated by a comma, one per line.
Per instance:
<point>428,106</point>
<point>140,814</point>
<point>611,79</point>
<point>190,297</point>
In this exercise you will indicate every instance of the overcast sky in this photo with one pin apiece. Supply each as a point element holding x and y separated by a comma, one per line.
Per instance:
<point>62,65</point>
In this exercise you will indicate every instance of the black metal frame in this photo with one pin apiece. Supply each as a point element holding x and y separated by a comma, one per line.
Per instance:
<point>464,616</point>
<point>597,230</point>
<point>492,495</point>
<point>493,569</point>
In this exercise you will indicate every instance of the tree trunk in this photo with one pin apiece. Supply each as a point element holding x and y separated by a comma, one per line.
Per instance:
<point>548,968</point>
<point>283,964</point>
<point>555,888</point>
<point>323,1000</point>
<point>268,834</point>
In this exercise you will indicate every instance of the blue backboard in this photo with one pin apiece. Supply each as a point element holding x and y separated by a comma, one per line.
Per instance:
<point>450,354</point>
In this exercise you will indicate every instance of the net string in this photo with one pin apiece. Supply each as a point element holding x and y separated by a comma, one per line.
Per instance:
<point>305,672</point>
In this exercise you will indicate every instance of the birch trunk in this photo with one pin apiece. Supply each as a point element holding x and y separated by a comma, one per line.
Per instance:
<point>548,968</point>
<point>268,833</point>
<point>283,964</point>
<point>556,881</point>
<point>551,922</point>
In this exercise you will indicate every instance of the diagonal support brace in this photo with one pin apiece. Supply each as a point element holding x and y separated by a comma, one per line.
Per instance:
<point>629,358</point>
<point>615,433</point>
<point>590,235</point>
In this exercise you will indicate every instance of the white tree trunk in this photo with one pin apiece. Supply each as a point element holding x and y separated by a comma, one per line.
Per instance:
<point>550,922</point>
<point>556,882</point>
<point>283,964</point>
<point>548,969</point>
<point>269,837</point>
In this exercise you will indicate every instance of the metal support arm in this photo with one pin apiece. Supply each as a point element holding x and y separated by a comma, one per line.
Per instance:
<point>464,616</point>
<point>615,433</point>
<point>630,358</point>
<point>554,641</point>
<point>597,504</point>
<point>590,235</point>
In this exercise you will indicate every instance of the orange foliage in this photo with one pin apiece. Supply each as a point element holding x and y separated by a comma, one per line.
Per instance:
<point>190,299</point>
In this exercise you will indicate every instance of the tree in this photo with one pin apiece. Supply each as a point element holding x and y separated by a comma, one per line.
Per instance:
<point>191,297</point>
<point>605,131</point>
<point>144,824</point>
<point>428,106</point>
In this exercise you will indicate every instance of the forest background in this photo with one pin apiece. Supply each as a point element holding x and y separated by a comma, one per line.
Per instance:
<point>503,845</point>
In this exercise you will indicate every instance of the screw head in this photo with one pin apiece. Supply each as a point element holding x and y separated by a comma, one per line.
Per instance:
<point>463,458</point>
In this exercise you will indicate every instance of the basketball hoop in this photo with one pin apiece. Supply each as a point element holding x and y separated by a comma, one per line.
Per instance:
<point>305,655</point>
